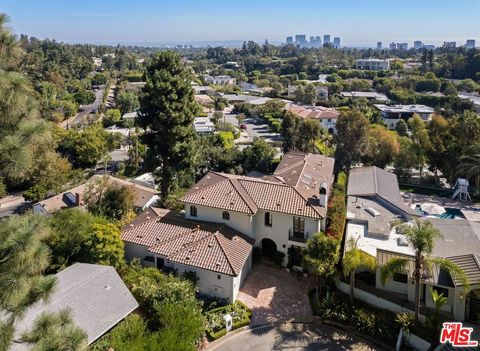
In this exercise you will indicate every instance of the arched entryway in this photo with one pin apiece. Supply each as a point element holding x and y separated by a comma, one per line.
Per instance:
<point>472,306</point>
<point>269,248</point>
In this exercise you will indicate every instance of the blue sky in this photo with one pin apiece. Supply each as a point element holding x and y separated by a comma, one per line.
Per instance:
<point>357,22</point>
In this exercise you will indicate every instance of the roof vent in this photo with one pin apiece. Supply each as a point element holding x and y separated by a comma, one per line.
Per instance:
<point>232,203</point>
<point>203,197</point>
<point>148,217</point>
<point>218,264</point>
<point>210,245</point>
<point>187,258</point>
<point>107,287</point>
<point>140,236</point>
<point>278,204</point>
<point>372,211</point>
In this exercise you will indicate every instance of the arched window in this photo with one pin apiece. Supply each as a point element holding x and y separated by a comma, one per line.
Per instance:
<point>268,219</point>
<point>226,215</point>
<point>193,211</point>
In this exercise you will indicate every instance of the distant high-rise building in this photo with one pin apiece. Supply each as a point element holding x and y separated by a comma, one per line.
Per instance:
<point>402,46</point>
<point>428,46</point>
<point>450,45</point>
<point>393,46</point>
<point>470,44</point>
<point>315,42</point>
<point>300,39</point>
<point>326,39</point>
<point>336,42</point>
<point>379,45</point>
<point>417,44</point>
<point>318,41</point>
<point>289,40</point>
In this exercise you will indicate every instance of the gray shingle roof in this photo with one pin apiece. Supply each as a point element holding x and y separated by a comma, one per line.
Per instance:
<point>96,296</point>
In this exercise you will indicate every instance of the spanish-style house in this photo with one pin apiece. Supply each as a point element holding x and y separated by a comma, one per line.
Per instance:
<point>227,215</point>
<point>374,208</point>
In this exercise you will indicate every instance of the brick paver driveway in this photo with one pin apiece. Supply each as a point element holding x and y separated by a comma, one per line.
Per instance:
<point>275,295</point>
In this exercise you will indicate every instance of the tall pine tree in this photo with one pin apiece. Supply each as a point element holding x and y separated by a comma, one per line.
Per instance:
<point>167,110</point>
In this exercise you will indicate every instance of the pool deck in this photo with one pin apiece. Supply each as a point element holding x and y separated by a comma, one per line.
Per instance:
<point>469,209</point>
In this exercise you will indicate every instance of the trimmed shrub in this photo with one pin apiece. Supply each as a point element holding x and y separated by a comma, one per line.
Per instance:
<point>240,313</point>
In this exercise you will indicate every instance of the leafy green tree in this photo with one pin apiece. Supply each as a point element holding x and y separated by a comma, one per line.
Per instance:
<point>353,260</point>
<point>85,148</point>
<point>421,236</point>
<point>310,95</point>
<point>383,146</point>
<point>106,198</point>
<point>217,117</point>
<point>78,236</point>
<point>320,258</point>
<point>170,306</point>
<point>420,139</point>
<point>127,102</point>
<point>106,245</point>
<point>24,257</point>
<point>290,125</point>
<point>99,79</point>
<point>167,114</point>
<point>401,128</point>
<point>406,159</point>
<point>112,116</point>
<point>259,157</point>
<point>470,165</point>
<point>351,138</point>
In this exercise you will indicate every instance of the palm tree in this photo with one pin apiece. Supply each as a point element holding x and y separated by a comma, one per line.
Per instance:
<point>320,258</point>
<point>470,165</point>
<point>353,260</point>
<point>24,257</point>
<point>421,236</point>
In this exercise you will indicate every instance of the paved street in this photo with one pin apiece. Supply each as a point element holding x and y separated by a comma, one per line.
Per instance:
<point>292,337</point>
<point>253,130</point>
<point>85,110</point>
<point>275,295</point>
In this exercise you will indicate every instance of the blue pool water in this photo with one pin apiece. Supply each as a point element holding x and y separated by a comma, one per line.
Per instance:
<point>451,213</point>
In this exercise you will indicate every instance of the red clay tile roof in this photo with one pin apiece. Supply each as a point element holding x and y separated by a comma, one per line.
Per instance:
<point>318,112</point>
<point>292,189</point>
<point>210,246</point>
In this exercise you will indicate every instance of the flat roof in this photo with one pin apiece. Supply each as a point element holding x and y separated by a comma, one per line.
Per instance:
<point>405,108</point>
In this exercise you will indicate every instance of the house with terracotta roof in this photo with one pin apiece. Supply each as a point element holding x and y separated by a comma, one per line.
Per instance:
<point>327,117</point>
<point>219,255</point>
<point>374,210</point>
<point>227,215</point>
<point>279,211</point>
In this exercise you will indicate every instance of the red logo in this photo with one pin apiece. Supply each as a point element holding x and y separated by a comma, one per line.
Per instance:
<point>457,335</point>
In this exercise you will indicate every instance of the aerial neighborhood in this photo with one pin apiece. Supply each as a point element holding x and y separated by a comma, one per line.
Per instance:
<point>255,195</point>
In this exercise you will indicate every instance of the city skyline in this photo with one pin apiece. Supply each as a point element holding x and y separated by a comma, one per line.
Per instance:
<point>148,23</point>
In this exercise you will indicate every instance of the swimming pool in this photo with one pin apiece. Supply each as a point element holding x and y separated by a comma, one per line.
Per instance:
<point>450,213</point>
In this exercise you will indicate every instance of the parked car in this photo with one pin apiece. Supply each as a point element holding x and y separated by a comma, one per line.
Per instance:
<point>243,126</point>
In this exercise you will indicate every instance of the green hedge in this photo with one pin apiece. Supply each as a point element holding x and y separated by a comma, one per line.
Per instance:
<point>337,210</point>
<point>221,311</point>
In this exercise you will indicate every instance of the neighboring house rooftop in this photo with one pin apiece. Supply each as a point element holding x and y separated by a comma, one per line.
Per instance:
<point>211,246</point>
<point>74,197</point>
<point>317,112</point>
<point>404,108</point>
<point>130,115</point>
<point>96,296</point>
<point>374,181</point>
<point>292,189</point>
<point>365,94</point>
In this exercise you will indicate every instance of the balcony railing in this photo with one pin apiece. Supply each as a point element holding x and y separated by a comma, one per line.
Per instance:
<point>297,236</point>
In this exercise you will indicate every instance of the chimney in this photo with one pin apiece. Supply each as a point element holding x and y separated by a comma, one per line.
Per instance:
<point>78,199</point>
<point>323,195</point>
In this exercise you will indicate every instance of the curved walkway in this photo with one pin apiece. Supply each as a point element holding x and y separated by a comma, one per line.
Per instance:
<point>291,336</point>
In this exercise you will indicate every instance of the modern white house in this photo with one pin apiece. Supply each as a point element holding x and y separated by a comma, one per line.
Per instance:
<point>203,125</point>
<point>370,95</point>
<point>220,80</point>
<point>372,64</point>
<point>227,215</point>
<point>391,115</point>
<point>374,210</point>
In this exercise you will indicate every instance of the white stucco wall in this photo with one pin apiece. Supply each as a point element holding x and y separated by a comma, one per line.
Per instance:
<point>238,221</point>
<point>135,251</point>
<point>278,232</point>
